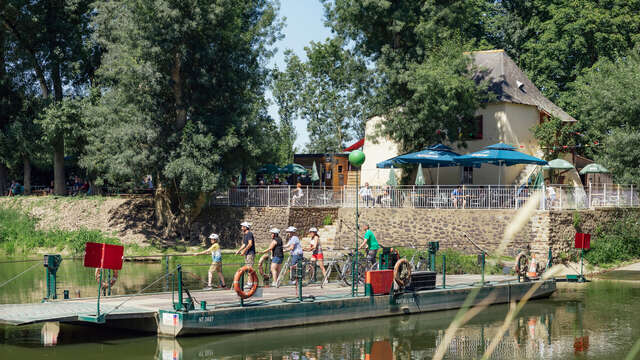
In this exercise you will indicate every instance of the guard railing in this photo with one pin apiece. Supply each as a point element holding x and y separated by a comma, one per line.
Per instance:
<point>551,197</point>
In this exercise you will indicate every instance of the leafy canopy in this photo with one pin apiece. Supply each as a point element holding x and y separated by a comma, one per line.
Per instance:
<point>182,92</point>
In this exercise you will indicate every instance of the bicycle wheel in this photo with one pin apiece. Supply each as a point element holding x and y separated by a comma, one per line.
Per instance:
<point>347,273</point>
<point>308,274</point>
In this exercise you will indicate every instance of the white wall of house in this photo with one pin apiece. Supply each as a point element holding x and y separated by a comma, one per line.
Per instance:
<point>375,152</point>
<point>502,122</point>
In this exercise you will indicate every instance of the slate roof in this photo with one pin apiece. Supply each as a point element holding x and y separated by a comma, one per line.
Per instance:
<point>510,84</point>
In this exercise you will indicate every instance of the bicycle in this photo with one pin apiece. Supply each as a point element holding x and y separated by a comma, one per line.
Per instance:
<point>363,266</point>
<point>307,270</point>
<point>422,262</point>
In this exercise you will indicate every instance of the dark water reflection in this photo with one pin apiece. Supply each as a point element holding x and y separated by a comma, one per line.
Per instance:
<point>591,321</point>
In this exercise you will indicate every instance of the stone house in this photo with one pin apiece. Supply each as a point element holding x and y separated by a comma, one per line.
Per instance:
<point>517,107</point>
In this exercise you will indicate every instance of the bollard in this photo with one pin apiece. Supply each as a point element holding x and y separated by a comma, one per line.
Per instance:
<point>203,305</point>
<point>78,293</point>
<point>65,294</point>
<point>444,271</point>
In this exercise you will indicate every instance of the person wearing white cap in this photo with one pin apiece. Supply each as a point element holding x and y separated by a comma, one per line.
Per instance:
<point>277,255</point>
<point>216,260</point>
<point>316,252</point>
<point>295,247</point>
<point>248,248</point>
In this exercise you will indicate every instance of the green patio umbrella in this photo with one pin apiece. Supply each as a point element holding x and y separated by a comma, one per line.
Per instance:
<point>419,176</point>
<point>314,173</point>
<point>293,169</point>
<point>558,164</point>
<point>269,169</point>
<point>594,169</point>
<point>392,178</point>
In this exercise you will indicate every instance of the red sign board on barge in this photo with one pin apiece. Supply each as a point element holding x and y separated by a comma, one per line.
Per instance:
<point>583,241</point>
<point>104,256</point>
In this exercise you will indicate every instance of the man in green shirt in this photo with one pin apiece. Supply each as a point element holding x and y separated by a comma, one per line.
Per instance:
<point>371,243</point>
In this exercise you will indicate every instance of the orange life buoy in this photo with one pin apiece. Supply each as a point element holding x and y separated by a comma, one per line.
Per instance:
<point>396,272</point>
<point>264,276</point>
<point>105,284</point>
<point>253,279</point>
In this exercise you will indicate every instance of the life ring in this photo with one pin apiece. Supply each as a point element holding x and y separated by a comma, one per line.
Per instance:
<point>522,257</point>
<point>254,280</point>
<point>397,273</point>
<point>105,284</point>
<point>261,262</point>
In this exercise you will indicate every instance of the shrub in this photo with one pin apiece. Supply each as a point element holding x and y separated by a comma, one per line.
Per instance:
<point>615,242</point>
<point>328,220</point>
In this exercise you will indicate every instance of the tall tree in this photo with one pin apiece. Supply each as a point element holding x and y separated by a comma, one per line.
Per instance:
<point>426,93</point>
<point>331,92</point>
<point>605,100</point>
<point>50,41</point>
<point>285,94</point>
<point>182,97</point>
<point>556,41</point>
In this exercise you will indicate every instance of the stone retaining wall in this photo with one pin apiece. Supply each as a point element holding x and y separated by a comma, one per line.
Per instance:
<point>404,227</point>
<point>226,222</point>
<point>562,230</point>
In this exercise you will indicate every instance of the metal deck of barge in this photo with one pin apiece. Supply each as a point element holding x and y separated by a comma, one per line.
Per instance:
<point>274,308</point>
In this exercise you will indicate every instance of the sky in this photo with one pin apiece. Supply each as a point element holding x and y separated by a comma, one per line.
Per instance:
<point>304,23</point>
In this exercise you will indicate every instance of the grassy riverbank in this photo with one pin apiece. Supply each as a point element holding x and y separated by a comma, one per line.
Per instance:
<point>20,236</point>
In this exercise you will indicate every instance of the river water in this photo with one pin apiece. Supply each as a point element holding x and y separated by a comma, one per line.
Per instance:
<point>598,320</point>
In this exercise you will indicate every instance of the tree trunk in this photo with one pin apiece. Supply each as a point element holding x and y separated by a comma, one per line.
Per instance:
<point>59,187</point>
<point>176,76</point>
<point>27,174</point>
<point>4,179</point>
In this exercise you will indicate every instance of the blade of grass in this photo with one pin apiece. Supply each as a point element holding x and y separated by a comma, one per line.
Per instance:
<point>462,317</point>
<point>635,350</point>
<point>513,311</point>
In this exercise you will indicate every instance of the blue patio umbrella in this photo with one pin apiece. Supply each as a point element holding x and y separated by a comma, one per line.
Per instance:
<point>435,156</point>
<point>499,154</point>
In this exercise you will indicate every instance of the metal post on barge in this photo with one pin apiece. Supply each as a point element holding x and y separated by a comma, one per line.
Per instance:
<point>356,158</point>
<point>444,271</point>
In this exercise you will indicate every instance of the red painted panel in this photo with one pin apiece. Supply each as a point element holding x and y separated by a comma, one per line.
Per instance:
<point>583,241</point>
<point>105,256</point>
<point>380,281</point>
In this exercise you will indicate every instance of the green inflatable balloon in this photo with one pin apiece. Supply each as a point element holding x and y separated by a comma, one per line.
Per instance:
<point>356,158</point>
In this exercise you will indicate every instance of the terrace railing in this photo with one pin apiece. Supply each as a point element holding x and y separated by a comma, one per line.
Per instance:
<point>553,197</point>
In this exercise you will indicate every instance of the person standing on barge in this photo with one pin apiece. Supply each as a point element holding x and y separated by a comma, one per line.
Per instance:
<point>317,258</point>
<point>371,243</point>
<point>277,254</point>
<point>216,261</point>
<point>248,248</point>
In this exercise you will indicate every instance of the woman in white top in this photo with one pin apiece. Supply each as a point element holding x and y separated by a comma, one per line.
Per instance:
<point>316,252</point>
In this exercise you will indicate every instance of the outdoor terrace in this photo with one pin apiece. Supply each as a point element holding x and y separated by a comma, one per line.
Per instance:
<point>555,197</point>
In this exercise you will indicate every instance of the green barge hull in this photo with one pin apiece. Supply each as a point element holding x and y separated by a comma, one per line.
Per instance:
<point>286,313</point>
